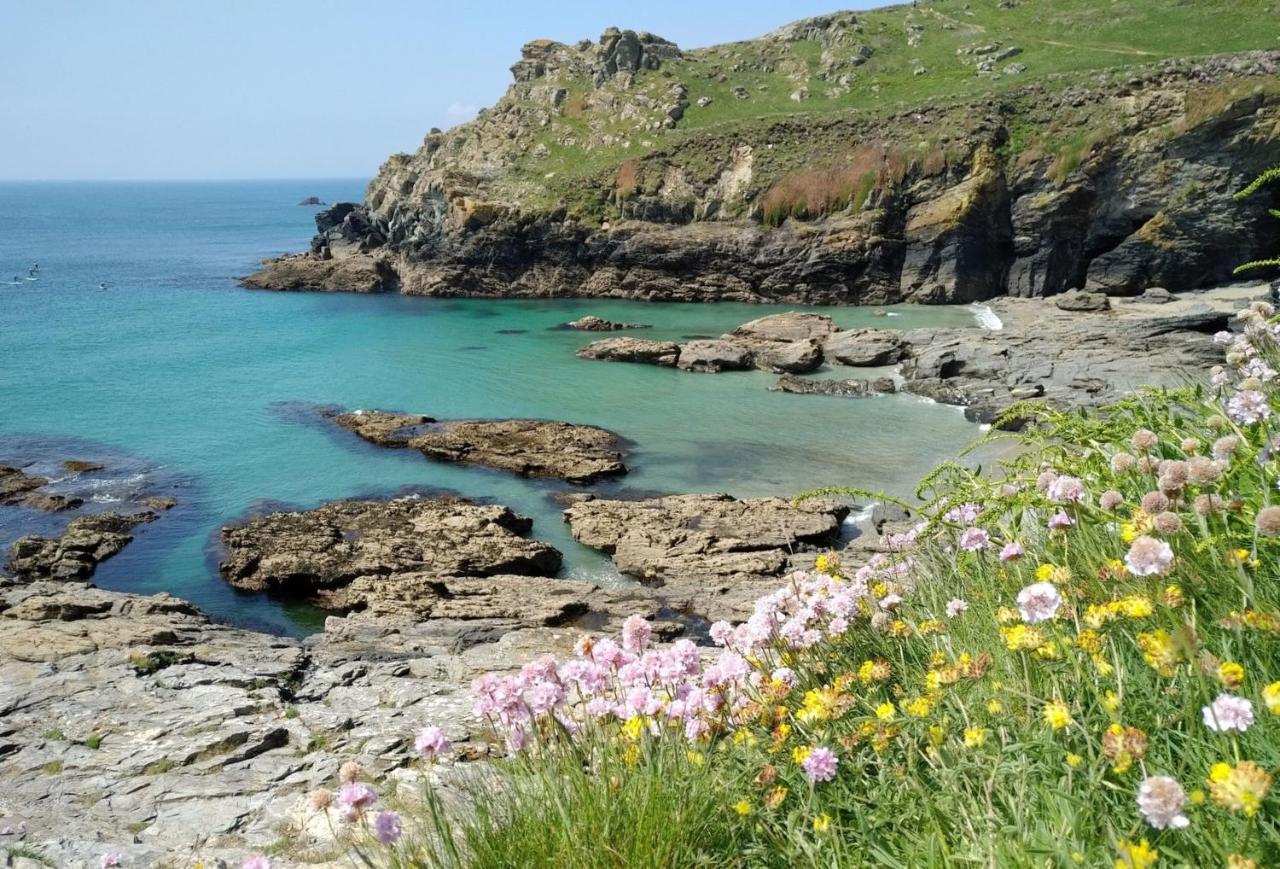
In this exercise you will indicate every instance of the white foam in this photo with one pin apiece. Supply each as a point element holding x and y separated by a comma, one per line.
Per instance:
<point>863,515</point>
<point>893,313</point>
<point>986,317</point>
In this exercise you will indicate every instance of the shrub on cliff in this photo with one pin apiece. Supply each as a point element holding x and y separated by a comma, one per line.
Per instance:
<point>1076,662</point>
<point>1269,177</point>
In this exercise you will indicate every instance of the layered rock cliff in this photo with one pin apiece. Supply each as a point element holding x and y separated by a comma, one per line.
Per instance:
<point>780,170</point>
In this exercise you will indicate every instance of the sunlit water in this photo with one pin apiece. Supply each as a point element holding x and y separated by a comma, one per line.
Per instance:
<point>186,385</point>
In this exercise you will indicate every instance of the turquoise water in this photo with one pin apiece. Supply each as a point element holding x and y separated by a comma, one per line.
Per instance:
<point>193,387</point>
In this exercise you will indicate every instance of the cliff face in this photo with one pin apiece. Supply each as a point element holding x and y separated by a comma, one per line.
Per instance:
<point>596,176</point>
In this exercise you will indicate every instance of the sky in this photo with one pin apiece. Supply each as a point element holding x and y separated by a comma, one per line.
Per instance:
<point>181,89</point>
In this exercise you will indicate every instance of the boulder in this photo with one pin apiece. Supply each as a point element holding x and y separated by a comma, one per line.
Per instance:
<point>791,326</point>
<point>865,347</point>
<point>714,356</point>
<point>632,350</point>
<point>1077,300</point>
<point>316,554</point>
<point>580,454</point>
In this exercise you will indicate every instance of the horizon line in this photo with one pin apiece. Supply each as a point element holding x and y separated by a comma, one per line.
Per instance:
<point>187,180</point>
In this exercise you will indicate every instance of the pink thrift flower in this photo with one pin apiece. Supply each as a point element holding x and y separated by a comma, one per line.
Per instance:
<point>1161,801</point>
<point>1012,552</point>
<point>1060,520</point>
<point>431,742</point>
<point>974,539</point>
<point>1228,713</point>
<point>1039,602</point>
<point>1248,406</point>
<point>257,861</point>
<point>355,798</point>
<point>1065,489</point>
<point>110,860</point>
<point>955,606</point>
<point>721,633</point>
<point>636,633</point>
<point>820,764</point>
<point>964,514</point>
<point>387,827</point>
<point>1148,556</point>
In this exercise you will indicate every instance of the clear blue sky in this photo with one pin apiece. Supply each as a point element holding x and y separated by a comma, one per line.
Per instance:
<point>121,89</point>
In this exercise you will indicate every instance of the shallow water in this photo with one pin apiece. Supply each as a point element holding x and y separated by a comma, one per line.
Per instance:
<point>186,385</point>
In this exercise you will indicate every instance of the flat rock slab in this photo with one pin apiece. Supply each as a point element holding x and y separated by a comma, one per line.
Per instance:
<point>87,542</point>
<point>642,350</point>
<point>579,454</point>
<point>712,555</point>
<point>865,347</point>
<point>318,554</point>
<point>836,388</point>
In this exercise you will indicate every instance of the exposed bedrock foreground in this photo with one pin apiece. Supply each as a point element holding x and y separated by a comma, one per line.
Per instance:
<point>165,737</point>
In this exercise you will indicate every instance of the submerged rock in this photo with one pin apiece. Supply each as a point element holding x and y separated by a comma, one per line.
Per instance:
<point>591,323</point>
<point>712,555</point>
<point>87,542</point>
<point>580,454</point>
<point>345,554</point>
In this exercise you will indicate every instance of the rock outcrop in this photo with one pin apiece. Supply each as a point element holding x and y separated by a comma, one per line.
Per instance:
<point>711,555</point>
<point>640,350</point>
<point>18,488</point>
<point>346,555</point>
<point>579,454</point>
<point>87,542</point>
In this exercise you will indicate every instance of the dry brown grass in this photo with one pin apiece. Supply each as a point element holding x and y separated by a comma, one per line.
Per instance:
<point>805,194</point>
<point>628,179</point>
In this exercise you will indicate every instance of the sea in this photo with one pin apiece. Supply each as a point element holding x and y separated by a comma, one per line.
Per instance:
<point>125,339</point>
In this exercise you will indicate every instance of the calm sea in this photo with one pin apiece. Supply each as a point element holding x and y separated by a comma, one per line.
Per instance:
<point>186,385</point>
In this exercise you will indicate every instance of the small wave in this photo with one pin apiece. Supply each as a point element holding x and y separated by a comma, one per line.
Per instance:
<point>893,313</point>
<point>860,516</point>
<point>101,498</point>
<point>986,317</point>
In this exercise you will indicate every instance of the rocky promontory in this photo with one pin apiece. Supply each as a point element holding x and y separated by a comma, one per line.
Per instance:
<point>20,489</point>
<point>579,454</point>
<point>76,553</point>
<point>630,168</point>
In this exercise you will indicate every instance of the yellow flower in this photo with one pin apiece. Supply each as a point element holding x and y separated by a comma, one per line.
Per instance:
<point>1022,637</point>
<point>1239,861</point>
<point>1048,651</point>
<point>974,737</point>
<point>1271,697</point>
<point>1196,797</point>
<point>633,728</point>
<point>631,756</point>
<point>696,758</point>
<point>1158,651</point>
<point>1044,572</point>
<point>1241,788</point>
<point>1136,606</point>
<point>1110,701</point>
<point>885,711</point>
<point>742,807</point>
<point>823,563</point>
<point>1074,760</point>
<point>1006,615</point>
<point>822,823</point>
<point>1231,674</point>
<point>1089,640</point>
<point>1056,714</point>
<point>746,737</point>
<point>937,734</point>
<point>919,707</point>
<point>1173,597</point>
<point>820,704</point>
<point>995,707</point>
<point>800,753</point>
<point>1136,856</point>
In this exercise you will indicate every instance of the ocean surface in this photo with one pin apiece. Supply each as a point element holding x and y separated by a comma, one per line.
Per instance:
<point>182,384</point>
